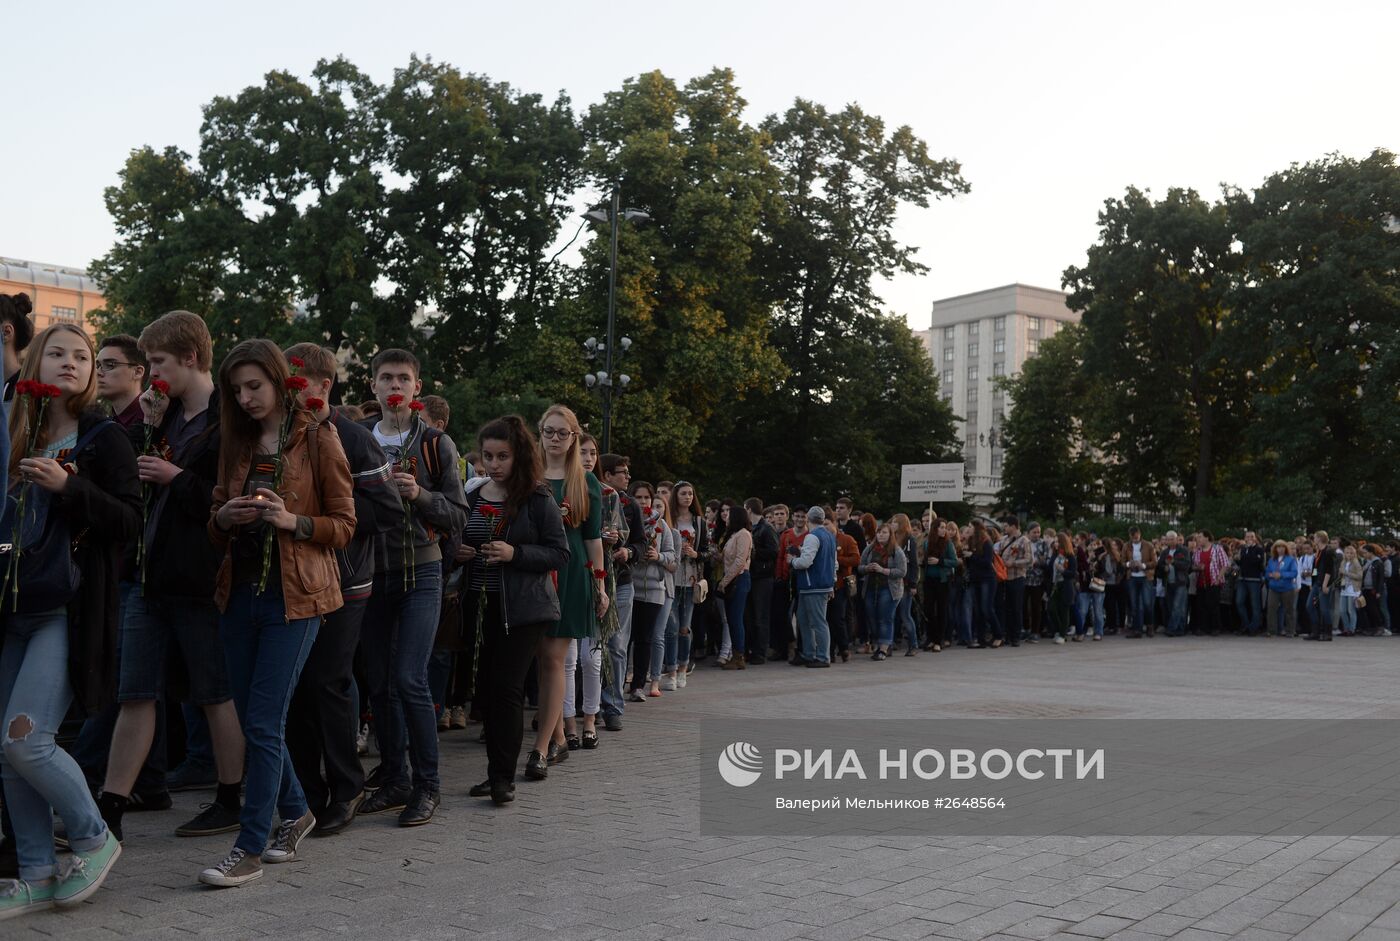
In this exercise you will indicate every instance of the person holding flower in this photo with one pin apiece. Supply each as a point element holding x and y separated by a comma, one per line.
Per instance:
<point>514,542</point>
<point>650,595</point>
<point>80,465</point>
<point>282,506</point>
<point>688,518</point>
<point>401,620</point>
<point>583,595</point>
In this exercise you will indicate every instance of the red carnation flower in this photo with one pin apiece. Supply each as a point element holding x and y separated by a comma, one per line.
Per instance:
<point>296,383</point>
<point>160,387</point>
<point>490,511</point>
<point>47,391</point>
<point>685,534</point>
<point>415,406</point>
<point>394,401</point>
<point>315,405</point>
<point>26,387</point>
<point>296,361</point>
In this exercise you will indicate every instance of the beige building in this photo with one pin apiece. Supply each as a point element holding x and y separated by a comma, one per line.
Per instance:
<point>59,294</point>
<point>974,339</point>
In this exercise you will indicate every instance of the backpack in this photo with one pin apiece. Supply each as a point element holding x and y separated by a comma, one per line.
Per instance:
<point>432,463</point>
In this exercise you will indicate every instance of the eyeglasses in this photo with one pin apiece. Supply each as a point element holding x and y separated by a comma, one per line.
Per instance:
<point>107,365</point>
<point>556,433</point>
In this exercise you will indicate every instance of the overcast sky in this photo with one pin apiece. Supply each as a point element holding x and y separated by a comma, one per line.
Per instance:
<point>1050,107</point>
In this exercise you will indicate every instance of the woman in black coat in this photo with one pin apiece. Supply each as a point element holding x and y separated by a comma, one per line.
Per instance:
<point>77,472</point>
<point>514,543</point>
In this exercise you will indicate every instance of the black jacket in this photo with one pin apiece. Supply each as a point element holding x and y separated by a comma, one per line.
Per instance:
<point>636,538</point>
<point>180,560</point>
<point>102,502</point>
<point>765,550</point>
<point>536,533</point>
<point>1252,560</point>
<point>377,505</point>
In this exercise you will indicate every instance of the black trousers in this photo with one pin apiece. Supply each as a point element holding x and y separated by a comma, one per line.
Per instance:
<point>500,679</point>
<point>645,614</point>
<point>836,610</point>
<point>321,720</point>
<point>936,612</point>
<point>760,605</point>
<point>1035,609</point>
<point>1208,609</point>
<point>780,618</point>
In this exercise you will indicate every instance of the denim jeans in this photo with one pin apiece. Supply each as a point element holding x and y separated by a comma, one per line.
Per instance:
<point>265,653</point>
<point>904,617</point>
<point>678,631</point>
<point>1176,604</point>
<point>41,778</point>
<point>1094,606</point>
<point>397,637</point>
<point>1249,599</point>
<point>1349,614</point>
<point>659,639</point>
<point>879,614</point>
<point>736,597</point>
<point>1139,601</point>
<point>811,624</point>
<point>961,609</point>
<point>984,611</point>
<point>617,652</point>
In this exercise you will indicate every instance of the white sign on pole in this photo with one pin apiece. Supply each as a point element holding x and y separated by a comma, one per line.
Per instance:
<point>934,483</point>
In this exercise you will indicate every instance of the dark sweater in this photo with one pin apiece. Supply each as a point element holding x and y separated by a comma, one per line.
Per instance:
<point>440,508</point>
<point>180,559</point>
<point>378,508</point>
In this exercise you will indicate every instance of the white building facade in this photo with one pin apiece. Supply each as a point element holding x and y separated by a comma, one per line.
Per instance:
<point>975,339</point>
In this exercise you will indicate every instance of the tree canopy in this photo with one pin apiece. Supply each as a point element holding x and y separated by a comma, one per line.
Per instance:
<point>433,213</point>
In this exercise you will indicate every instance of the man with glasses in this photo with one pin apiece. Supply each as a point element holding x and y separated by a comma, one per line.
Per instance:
<point>121,377</point>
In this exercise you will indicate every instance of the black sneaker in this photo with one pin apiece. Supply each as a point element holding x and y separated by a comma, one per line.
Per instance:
<point>213,818</point>
<point>386,799</point>
<point>152,800</point>
<point>420,809</point>
<point>502,792</point>
<point>480,790</point>
<point>188,777</point>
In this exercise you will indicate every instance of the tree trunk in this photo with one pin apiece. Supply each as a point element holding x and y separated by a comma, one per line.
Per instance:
<point>1205,453</point>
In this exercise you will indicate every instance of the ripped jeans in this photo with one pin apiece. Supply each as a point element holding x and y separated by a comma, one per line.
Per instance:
<point>41,778</point>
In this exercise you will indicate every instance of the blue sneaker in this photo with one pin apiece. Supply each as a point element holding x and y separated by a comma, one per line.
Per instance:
<point>18,897</point>
<point>85,872</point>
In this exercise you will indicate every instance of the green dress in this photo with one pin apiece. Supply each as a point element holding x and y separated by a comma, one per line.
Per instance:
<point>578,617</point>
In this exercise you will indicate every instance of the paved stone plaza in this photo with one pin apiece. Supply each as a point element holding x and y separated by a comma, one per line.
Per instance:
<point>608,847</point>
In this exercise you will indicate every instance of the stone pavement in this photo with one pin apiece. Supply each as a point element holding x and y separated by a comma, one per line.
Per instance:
<point>609,847</point>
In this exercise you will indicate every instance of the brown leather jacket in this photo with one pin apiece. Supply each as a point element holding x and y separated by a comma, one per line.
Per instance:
<point>310,575</point>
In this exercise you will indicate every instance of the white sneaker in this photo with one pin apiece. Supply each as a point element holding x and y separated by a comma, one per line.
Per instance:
<point>1336,633</point>
<point>237,868</point>
<point>1059,638</point>
<point>636,696</point>
<point>680,679</point>
<point>668,683</point>
<point>1385,633</point>
<point>286,839</point>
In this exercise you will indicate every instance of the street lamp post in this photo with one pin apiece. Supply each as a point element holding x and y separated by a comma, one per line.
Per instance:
<point>602,380</point>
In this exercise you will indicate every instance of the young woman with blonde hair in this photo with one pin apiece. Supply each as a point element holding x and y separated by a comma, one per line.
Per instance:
<point>581,602</point>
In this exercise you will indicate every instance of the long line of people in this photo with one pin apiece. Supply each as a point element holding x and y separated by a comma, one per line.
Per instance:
<point>228,561</point>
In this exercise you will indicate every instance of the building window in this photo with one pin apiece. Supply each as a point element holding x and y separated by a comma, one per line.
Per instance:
<point>947,378</point>
<point>971,439</point>
<point>1033,324</point>
<point>996,463</point>
<point>64,313</point>
<point>948,354</point>
<point>998,345</point>
<point>999,324</point>
<point>972,374</point>
<point>998,369</point>
<point>972,351</point>
<point>972,329</point>
<point>947,395</point>
<point>948,334</point>
<point>1032,346</point>
<point>971,396</point>
<point>971,418</point>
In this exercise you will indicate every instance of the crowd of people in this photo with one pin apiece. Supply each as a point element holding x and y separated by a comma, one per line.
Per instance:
<point>226,559</point>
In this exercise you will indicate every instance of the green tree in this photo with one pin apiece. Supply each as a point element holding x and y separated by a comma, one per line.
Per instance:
<point>688,293</point>
<point>1047,469</point>
<point>1169,406</point>
<point>1317,316</point>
